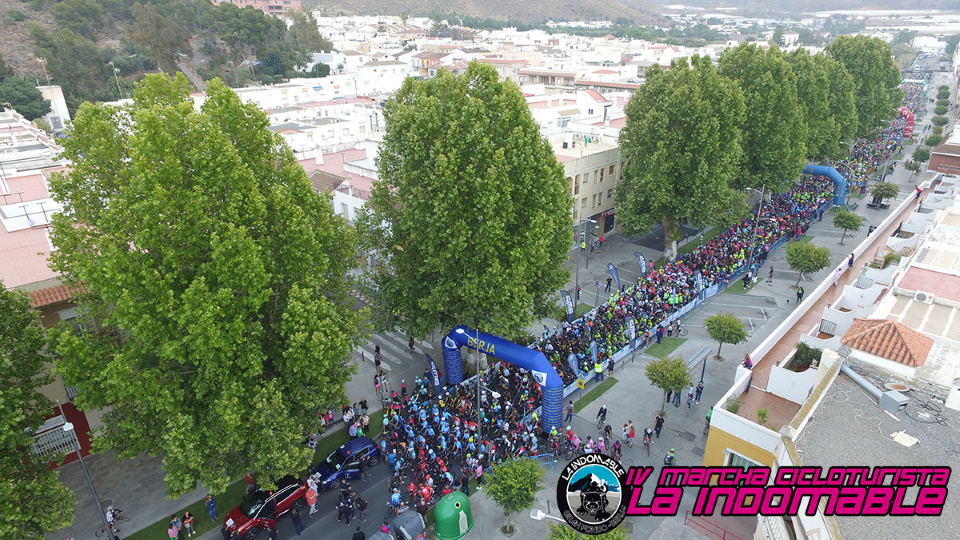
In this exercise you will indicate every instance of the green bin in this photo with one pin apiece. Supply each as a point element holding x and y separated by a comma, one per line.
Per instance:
<point>453,517</point>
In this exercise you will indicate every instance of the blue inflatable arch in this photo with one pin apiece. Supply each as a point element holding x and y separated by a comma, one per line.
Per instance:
<point>839,182</point>
<point>551,411</point>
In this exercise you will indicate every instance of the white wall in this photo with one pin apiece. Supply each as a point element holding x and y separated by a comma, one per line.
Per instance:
<point>790,385</point>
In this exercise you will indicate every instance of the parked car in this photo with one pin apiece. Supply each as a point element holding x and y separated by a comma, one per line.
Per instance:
<point>344,463</point>
<point>262,508</point>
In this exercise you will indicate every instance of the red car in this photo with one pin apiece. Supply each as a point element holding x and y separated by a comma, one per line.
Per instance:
<point>262,508</point>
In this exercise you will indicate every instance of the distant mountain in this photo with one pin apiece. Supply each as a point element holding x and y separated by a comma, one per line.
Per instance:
<point>808,6</point>
<point>641,11</point>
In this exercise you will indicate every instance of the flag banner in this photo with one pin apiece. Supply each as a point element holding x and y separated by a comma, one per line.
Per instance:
<point>593,351</point>
<point>642,261</point>
<point>613,272</point>
<point>572,360</point>
<point>435,374</point>
<point>567,304</point>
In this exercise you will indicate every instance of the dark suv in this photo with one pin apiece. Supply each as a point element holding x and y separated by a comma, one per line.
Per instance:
<point>262,508</point>
<point>344,462</point>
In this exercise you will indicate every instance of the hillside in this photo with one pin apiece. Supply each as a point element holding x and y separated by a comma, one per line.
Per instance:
<point>757,7</point>
<point>640,11</point>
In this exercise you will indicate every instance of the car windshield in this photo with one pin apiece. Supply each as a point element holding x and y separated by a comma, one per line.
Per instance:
<point>335,460</point>
<point>253,503</point>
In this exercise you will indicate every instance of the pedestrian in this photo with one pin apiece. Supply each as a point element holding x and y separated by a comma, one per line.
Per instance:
<point>770,276</point>
<point>403,389</point>
<point>361,506</point>
<point>850,261</point>
<point>609,282</point>
<point>188,522</point>
<point>411,345</point>
<point>747,362</point>
<point>569,411</point>
<point>610,365</point>
<point>583,246</point>
<point>297,523</point>
<point>480,473</point>
<point>363,467</point>
<point>598,369</point>
<point>669,396</point>
<point>312,500</point>
<point>699,391</point>
<point>465,483</point>
<point>172,531</point>
<point>676,398</point>
<point>343,509</point>
<point>178,524</point>
<point>364,406</point>
<point>919,191</point>
<point>271,531</point>
<point>578,292</point>
<point>249,479</point>
<point>212,507</point>
<point>359,534</point>
<point>376,384</point>
<point>659,334</point>
<point>799,295</point>
<point>659,424</point>
<point>690,397</point>
<point>633,432</point>
<point>601,240</point>
<point>836,277</point>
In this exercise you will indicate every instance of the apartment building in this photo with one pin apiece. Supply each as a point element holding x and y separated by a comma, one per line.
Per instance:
<point>591,166</point>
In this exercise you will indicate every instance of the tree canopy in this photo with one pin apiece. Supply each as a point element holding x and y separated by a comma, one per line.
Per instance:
<point>668,374</point>
<point>827,106</point>
<point>305,34</point>
<point>23,96</point>
<point>34,502</point>
<point>514,484</point>
<point>869,60</point>
<point>216,278</point>
<point>725,328</point>
<point>846,220</point>
<point>681,150</point>
<point>885,190</point>
<point>807,258</point>
<point>471,216</point>
<point>160,35</point>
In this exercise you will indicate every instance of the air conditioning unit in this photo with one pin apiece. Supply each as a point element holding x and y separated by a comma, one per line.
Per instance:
<point>924,297</point>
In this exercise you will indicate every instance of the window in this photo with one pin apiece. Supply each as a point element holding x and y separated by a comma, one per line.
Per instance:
<point>81,322</point>
<point>596,175</point>
<point>589,111</point>
<point>736,460</point>
<point>583,204</point>
<point>330,133</point>
<point>345,210</point>
<point>346,131</point>
<point>601,176</point>
<point>363,129</point>
<point>611,170</point>
<point>593,201</point>
<point>609,194</point>
<point>564,120</point>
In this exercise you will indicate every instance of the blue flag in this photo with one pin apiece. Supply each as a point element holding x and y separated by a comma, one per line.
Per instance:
<point>593,351</point>
<point>613,272</point>
<point>572,360</point>
<point>435,375</point>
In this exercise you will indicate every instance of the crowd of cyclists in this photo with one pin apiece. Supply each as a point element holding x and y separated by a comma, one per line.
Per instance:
<point>437,443</point>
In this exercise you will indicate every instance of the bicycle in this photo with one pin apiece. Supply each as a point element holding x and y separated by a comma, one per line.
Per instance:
<point>646,442</point>
<point>117,518</point>
<point>706,426</point>
<point>681,331</point>
<point>601,419</point>
<point>394,510</point>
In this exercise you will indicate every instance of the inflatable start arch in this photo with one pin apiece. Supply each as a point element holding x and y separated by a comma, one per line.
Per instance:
<point>839,182</point>
<point>551,411</point>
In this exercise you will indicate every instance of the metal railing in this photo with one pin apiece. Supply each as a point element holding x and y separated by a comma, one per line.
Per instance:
<point>53,442</point>
<point>709,527</point>
<point>828,327</point>
<point>863,282</point>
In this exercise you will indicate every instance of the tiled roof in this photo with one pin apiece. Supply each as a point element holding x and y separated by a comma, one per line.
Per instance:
<point>54,295</point>
<point>889,339</point>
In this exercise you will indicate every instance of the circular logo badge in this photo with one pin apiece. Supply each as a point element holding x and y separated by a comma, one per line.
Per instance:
<point>590,494</point>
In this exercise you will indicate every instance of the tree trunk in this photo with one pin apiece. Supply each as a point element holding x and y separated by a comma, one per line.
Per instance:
<point>664,404</point>
<point>797,284</point>
<point>720,348</point>
<point>669,244</point>
<point>844,235</point>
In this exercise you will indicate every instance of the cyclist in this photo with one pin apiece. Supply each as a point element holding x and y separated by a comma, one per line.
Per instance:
<point>395,499</point>
<point>617,450</point>
<point>588,446</point>
<point>608,432</point>
<point>602,413</point>
<point>647,436</point>
<point>569,433</point>
<point>670,458</point>
<point>109,514</point>
<point>576,442</point>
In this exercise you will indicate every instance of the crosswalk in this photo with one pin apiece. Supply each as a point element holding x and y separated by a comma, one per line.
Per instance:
<point>393,349</point>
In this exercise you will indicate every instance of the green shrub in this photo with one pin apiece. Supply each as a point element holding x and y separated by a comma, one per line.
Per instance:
<point>933,140</point>
<point>805,356</point>
<point>937,130</point>
<point>940,109</point>
<point>890,258</point>
<point>940,120</point>
<point>733,404</point>
<point>13,16</point>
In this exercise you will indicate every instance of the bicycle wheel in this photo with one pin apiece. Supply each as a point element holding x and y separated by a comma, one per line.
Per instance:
<point>389,513</point>
<point>101,531</point>
<point>682,332</point>
<point>121,518</point>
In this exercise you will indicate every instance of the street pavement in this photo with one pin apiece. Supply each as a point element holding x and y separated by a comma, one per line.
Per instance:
<point>139,483</point>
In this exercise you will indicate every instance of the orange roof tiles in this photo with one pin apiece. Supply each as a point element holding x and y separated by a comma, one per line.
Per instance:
<point>53,295</point>
<point>889,339</point>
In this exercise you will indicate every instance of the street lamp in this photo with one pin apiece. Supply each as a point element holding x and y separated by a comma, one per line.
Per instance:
<point>539,515</point>
<point>581,242</point>
<point>756,225</point>
<point>68,427</point>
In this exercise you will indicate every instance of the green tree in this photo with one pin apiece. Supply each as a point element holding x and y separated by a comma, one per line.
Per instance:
<point>904,37</point>
<point>951,44</point>
<point>75,64</point>
<point>160,35</point>
<point>940,120</point>
<point>806,259</point>
<point>471,201</point>
<point>205,248</point>
<point>913,167</point>
<point>681,147</point>
<point>13,16</point>
<point>304,33</point>
<point>34,502</point>
<point>778,36</point>
<point>885,190</point>
<point>725,328</point>
<point>876,78</point>
<point>42,124</point>
<point>774,151</point>
<point>846,221</point>
<point>319,70</point>
<point>932,140</point>
<point>814,95</point>
<point>513,485</point>
<point>669,375</point>
<point>940,109</point>
<point>561,531</point>
<point>842,99</point>
<point>943,93</point>
<point>85,17</point>
<point>921,154</point>
<point>24,97</point>
<point>5,70</point>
